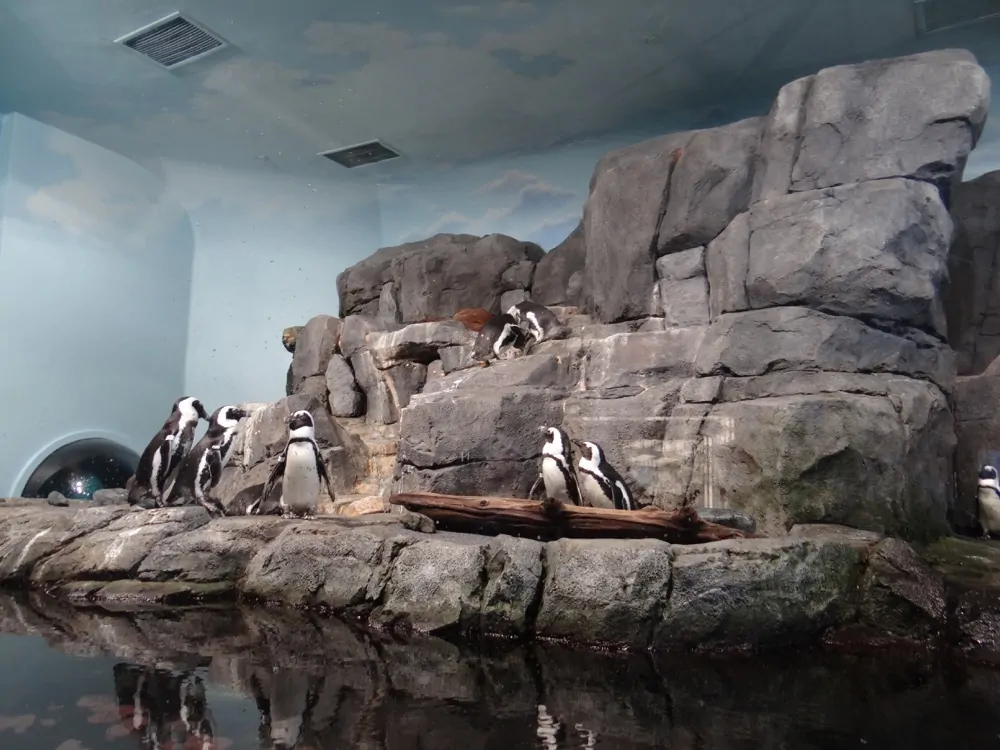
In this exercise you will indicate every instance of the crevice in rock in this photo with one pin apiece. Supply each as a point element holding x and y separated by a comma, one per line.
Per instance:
<point>531,612</point>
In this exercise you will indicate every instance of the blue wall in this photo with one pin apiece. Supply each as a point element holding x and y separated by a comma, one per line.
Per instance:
<point>95,270</point>
<point>268,251</point>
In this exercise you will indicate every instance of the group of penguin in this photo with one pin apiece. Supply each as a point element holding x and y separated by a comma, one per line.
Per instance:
<point>172,473</point>
<point>523,326</point>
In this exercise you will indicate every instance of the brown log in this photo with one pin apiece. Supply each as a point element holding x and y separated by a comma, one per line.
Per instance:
<point>550,519</point>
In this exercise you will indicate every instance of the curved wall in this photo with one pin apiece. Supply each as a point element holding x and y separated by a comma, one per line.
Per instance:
<point>95,277</point>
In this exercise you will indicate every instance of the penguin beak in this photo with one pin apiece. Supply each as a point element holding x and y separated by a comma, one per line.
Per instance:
<point>201,411</point>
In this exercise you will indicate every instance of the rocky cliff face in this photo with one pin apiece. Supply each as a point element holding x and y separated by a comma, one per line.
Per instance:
<point>757,320</point>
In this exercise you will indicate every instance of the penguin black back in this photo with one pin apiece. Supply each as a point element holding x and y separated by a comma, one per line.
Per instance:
<point>165,452</point>
<point>537,320</point>
<point>202,466</point>
<point>498,333</point>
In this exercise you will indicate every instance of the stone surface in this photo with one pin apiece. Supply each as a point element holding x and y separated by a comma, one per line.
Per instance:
<point>728,517</point>
<point>722,592</point>
<point>809,249</point>
<point>710,185</point>
<point>344,397</point>
<point>876,120</point>
<point>797,338</point>
<point>972,301</point>
<point>110,497</point>
<point>558,276</point>
<point>629,193</point>
<point>822,582</point>
<point>314,345</point>
<point>442,274</point>
<point>977,431</point>
<point>682,289</point>
<point>418,342</point>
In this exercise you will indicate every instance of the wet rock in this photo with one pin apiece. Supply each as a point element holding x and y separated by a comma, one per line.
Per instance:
<point>219,551</point>
<point>343,394</point>
<point>972,301</point>
<point>904,597</point>
<point>558,278</point>
<point>596,587</point>
<point>723,592</point>
<point>729,517</point>
<point>117,549</point>
<point>439,276</point>
<point>314,345</point>
<point>797,338</point>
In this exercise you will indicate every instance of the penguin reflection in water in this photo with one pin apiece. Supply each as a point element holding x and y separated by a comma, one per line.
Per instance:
<point>301,471</point>
<point>202,468</point>
<point>989,501</point>
<point>164,454</point>
<point>551,731</point>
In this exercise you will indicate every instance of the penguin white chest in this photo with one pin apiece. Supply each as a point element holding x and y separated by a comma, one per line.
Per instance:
<point>592,493</point>
<point>989,509</point>
<point>300,486</point>
<point>554,480</point>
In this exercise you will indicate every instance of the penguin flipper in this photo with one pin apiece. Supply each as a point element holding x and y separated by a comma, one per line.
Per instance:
<point>321,470</point>
<point>279,469</point>
<point>534,487</point>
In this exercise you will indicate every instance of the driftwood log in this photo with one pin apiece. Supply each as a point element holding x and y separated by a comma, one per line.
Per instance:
<point>550,519</point>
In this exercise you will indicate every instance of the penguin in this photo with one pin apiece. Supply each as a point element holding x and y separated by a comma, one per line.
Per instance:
<point>600,485</point>
<point>557,475</point>
<point>300,468</point>
<point>165,453</point>
<point>989,501</point>
<point>499,333</point>
<point>537,320</point>
<point>202,467</point>
<point>195,713</point>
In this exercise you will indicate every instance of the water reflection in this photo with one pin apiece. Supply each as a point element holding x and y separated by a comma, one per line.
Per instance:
<point>228,679</point>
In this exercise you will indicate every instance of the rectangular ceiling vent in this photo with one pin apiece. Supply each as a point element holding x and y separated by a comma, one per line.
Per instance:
<point>173,41</point>
<point>361,155</point>
<point>938,15</point>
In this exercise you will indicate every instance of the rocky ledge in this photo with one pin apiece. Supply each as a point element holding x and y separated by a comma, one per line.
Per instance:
<point>820,583</point>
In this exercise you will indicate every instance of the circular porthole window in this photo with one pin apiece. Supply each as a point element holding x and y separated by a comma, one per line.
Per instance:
<point>80,469</point>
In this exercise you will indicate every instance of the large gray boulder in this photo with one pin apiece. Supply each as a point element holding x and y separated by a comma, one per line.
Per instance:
<point>872,250</point>
<point>437,277</point>
<point>314,345</point>
<point>558,278</point>
<point>972,301</point>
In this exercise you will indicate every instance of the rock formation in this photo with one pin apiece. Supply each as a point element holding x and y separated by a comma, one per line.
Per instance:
<point>758,320</point>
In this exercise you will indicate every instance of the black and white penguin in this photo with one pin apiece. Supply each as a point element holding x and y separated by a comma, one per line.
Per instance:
<point>601,486</point>
<point>498,338</point>
<point>301,470</point>
<point>537,320</point>
<point>195,713</point>
<point>202,468</point>
<point>989,501</point>
<point>165,453</point>
<point>557,474</point>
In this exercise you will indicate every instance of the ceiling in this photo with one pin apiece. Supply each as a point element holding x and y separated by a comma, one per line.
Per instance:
<point>442,81</point>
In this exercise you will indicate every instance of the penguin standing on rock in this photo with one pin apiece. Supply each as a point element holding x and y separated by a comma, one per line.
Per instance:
<point>202,469</point>
<point>499,333</point>
<point>989,501</point>
<point>300,469</point>
<point>601,486</point>
<point>164,454</point>
<point>538,320</point>
<point>557,473</point>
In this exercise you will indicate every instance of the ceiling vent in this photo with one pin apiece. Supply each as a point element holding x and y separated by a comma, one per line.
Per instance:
<point>361,155</point>
<point>173,41</point>
<point>938,15</point>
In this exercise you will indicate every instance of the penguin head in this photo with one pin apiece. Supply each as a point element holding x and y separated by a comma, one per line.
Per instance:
<point>190,409</point>
<point>556,441</point>
<point>228,416</point>
<point>300,424</point>
<point>515,312</point>
<point>988,475</point>
<point>590,452</point>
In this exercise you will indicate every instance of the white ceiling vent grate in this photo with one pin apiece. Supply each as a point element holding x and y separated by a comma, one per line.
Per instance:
<point>173,41</point>
<point>361,155</point>
<point>937,15</point>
